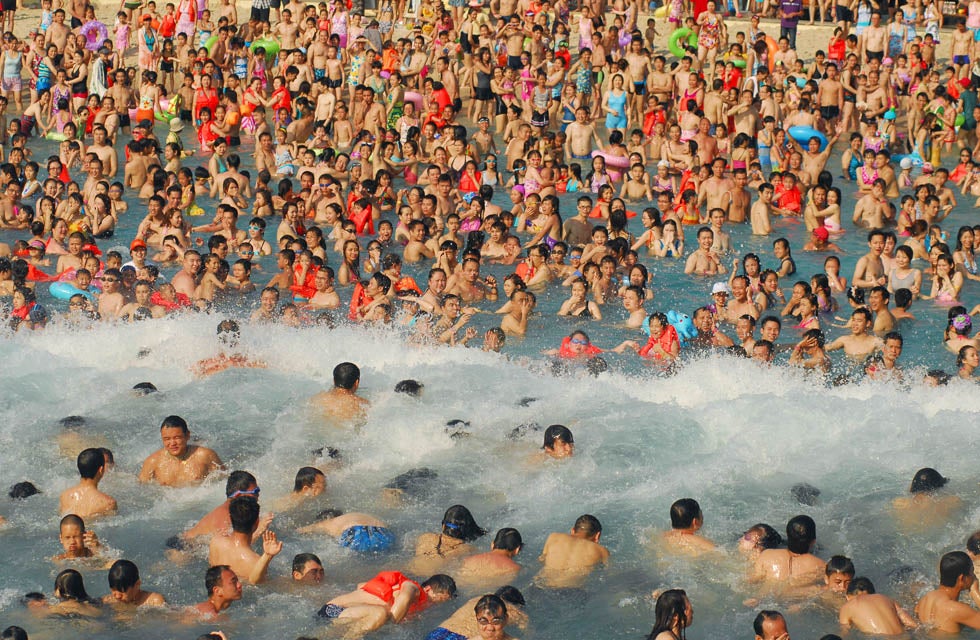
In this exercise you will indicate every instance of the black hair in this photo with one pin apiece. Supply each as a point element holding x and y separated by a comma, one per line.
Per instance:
<point>23,490</point>
<point>953,565</point>
<point>927,480</point>
<point>511,594</point>
<point>860,585</point>
<point>68,585</point>
<point>459,523</point>
<point>244,513</point>
<point>492,604</point>
<point>684,512</point>
<point>840,564</point>
<point>123,575</point>
<point>441,583</point>
<point>300,560</point>
<point>346,375</point>
<point>801,531</point>
<point>765,614</point>
<point>306,477</point>
<point>557,433</point>
<point>238,480</point>
<point>212,577</point>
<point>671,609</point>
<point>89,462</point>
<point>587,524</point>
<point>409,387</point>
<point>175,422</point>
<point>508,539</point>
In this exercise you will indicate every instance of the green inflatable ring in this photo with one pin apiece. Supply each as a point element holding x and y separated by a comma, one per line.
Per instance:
<point>210,42</point>
<point>674,43</point>
<point>271,47</point>
<point>960,120</point>
<point>738,62</point>
<point>164,116</point>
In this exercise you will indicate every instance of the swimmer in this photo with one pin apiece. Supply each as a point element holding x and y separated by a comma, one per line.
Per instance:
<point>356,531</point>
<point>491,618</point>
<point>388,596</point>
<point>459,528</point>
<point>177,463</point>
<point>927,506</point>
<point>873,613</point>
<point>770,625</point>
<point>860,344</point>
<point>462,624</point>
<point>558,442</point>
<point>223,588</point>
<point>686,520</point>
<point>218,521</point>
<point>342,404</point>
<point>307,568</point>
<point>236,550</point>
<point>757,539</point>
<point>569,558</point>
<point>674,614</point>
<point>838,574</point>
<point>940,609</point>
<point>126,588</point>
<point>73,600</point>
<point>228,336</point>
<point>309,483</point>
<point>77,542</point>
<point>498,564</point>
<point>84,499</point>
<point>795,565</point>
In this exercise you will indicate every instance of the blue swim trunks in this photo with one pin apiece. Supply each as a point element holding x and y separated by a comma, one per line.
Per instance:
<point>442,633</point>
<point>363,538</point>
<point>330,611</point>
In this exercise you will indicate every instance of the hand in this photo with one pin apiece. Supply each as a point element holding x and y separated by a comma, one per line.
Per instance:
<point>470,333</point>
<point>270,545</point>
<point>90,539</point>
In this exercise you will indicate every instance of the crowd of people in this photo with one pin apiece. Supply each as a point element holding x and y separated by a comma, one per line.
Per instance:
<point>453,142</point>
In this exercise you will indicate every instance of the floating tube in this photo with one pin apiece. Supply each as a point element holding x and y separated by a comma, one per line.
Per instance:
<point>803,134</point>
<point>95,34</point>
<point>65,290</point>
<point>620,162</point>
<point>916,159</point>
<point>660,12</point>
<point>675,38</point>
<point>773,48</point>
<point>56,135</point>
<point>414,98</point>
<point>210,42</point>
<point>271,47</point>
<point>737,61</point>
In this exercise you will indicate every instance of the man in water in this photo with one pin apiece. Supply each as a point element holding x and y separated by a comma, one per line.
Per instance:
<point>218,521</point>
<point>463,624</point>
<point>307,568</point>
<point>228,335</point>
<point>686,520</point>
<point>126,588</point>
<point>794,565</point>
<point>177,463</point>
<point>356,531</point>
<point>84,499</point>
<point>860,343</point>
<point>941,609</point>
<point>873,613</point>
<point>497,565</point>
<point>236,550</point>
<point>389,595</point>
<point>342,404</point>
<point>570,557</point>
<point>223,588</point>
<point>76,541</point>
<point>770,625</point>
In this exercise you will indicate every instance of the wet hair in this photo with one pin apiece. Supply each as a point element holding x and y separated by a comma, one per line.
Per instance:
<point>769,538</point>
<point>123,575</point>
<point>459,523</point>
<point>346,375</point>
<point>414,482</point>
<point>765,614</point>
<point>212,577</point>
<point>860,585</point>
<point>671,604</point>
<point>89,462</point>
<point>144,388</point>
<point>492,604</point>
<point>953,565</point>
<point>238,480</point>
<point>172,422</point>
<point>559,433</point>
<point>22,491</point>
<point>300,560</point>
<point>511,594</point>
<point>804,493</point>
<point>244,514</point>
<point>508,539</point>
<point>840,564</point>
<point>684,512</point>
<point>927,480</point>
<point>410,387</point>
<point>587,524</point>
<point>306,477</point>
<point>441,583</point>
<point>801,531</point>
<point>68,585</point>
<point>71,520</point>
<point>13,633</point>
<point>973,543</point>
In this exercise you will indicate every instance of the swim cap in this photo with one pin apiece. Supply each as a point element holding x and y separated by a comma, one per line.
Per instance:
<point>822,233</point>
<point>905,163</point>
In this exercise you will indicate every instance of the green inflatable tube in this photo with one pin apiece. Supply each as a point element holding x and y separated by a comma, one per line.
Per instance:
<point>675,38</point>
<point>271,47</point>
<point>210,42</point>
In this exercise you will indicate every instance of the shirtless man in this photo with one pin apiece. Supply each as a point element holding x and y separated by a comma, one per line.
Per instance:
<point>417,249</point>
<point>686,520</point>
<point>860,344</point>
<point>505,608</point>
<point>830,97</point>
<point>126,588</point>
<point>794,565</point>
<point>759,215</point>
<point>876,99</point>
<point>497,565</point>
<point>388,596</point>
<point>871,612</point>
<point>580,134</point>
<point>872,210</point>
<point>342,404</point>
<point>106,152</point>
<point>218,521</point>
<point>235,550</point>
<point>736,201</point>
<point>814,160</point>
<point>84,499</point>
<point>639,70</point>
<point>75,539</point>
<point>514,323</point>
<point>745,114</point>
<point>356,531</point>
<point>570,557</point>
<point>185,280</point>
<point>878,304</point>
<point>704,260</point>
<point>873,41</point>
<point>111,301</point>
<point>468,286</point>
<point>177,463</point>
<point>870,270</point>
<point>941,609</point>
<point>716,188</point>
<point>741,303</point>
<point>661,81</point>
<point>223,588</point>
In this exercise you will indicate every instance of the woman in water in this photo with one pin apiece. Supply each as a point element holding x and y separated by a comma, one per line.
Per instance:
<point>459,528</point>
<point>673,615</point>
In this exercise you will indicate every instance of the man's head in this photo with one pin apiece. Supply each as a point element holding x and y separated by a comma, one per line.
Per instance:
<point>770,625</point>
<point>244,514</point>
<point>587,526</point>
<point>175,434</point>
<point>686,514</point>
<point>346,375</point>
<point>124,581</point>
<point>440,588</point>
<point>221,582</point>
<point>801,532</point>
<point>307,568</point>
<point>91,464</point>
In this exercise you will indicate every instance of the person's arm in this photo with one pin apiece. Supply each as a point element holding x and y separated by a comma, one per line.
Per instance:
<point>403,600</point>
<point>692,261</point>
<point>270,549</point>
<point>146,473</point>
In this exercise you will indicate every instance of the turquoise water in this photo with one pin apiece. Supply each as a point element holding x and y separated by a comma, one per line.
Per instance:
<point>732,435</point>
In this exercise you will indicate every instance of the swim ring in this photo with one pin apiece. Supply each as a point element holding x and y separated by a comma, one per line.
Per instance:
<point>803,134</point>
<point>674,43</point>
<point>65,290</point>
<point>95,34</point>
